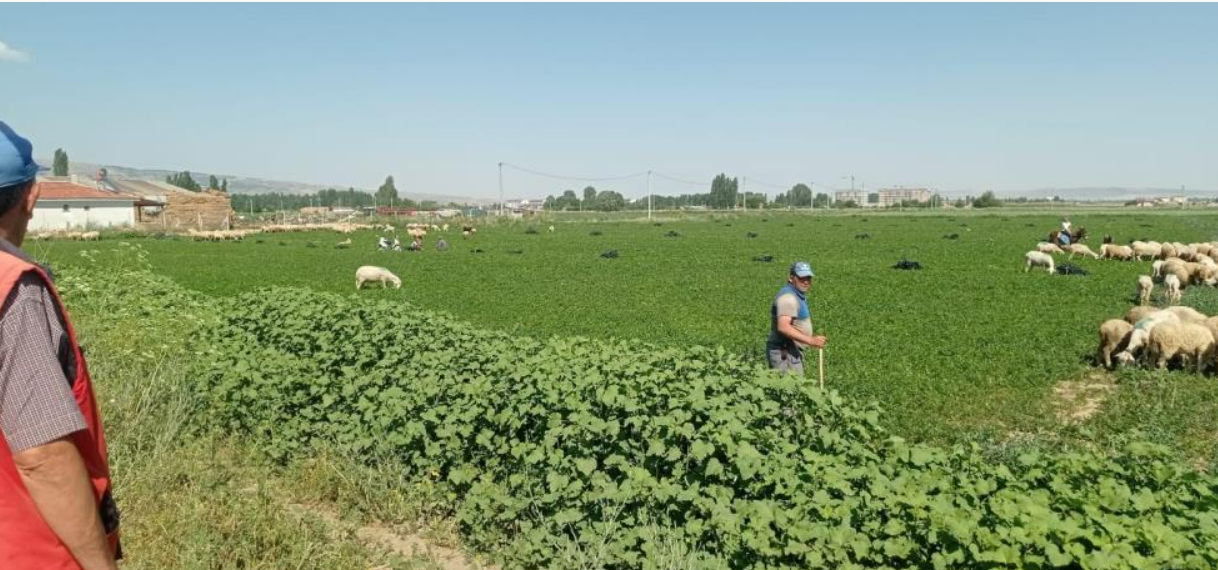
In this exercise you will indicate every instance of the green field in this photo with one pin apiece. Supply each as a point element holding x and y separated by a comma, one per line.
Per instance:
<point>968,347</point>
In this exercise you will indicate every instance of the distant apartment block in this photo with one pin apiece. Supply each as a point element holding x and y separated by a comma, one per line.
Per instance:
<point>894,196</point>
<point>857,196</point>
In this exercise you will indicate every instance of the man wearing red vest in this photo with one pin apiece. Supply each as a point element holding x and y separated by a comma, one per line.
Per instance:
<point>56,508</point>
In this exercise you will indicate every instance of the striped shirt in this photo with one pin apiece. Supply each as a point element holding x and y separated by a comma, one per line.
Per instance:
<point>37,365</point>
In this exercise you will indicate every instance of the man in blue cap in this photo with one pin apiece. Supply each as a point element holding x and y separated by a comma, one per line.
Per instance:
<point>791,323</point>
<point>56,507</point>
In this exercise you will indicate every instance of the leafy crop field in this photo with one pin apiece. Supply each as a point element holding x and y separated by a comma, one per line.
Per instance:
<point>969,347</point>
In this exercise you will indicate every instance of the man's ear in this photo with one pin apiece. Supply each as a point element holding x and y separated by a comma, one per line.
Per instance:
<point>31,199</point>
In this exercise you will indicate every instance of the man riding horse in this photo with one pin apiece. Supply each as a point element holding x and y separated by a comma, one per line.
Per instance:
<point>1064,236</point>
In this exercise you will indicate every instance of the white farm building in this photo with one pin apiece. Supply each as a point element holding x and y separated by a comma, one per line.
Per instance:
<point>66,205</point>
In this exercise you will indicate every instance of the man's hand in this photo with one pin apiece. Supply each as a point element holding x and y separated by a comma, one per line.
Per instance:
<point>818,341</point>
<point>55,476</point>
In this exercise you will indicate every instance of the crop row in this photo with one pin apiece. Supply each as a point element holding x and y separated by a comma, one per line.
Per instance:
<point>617,447</point>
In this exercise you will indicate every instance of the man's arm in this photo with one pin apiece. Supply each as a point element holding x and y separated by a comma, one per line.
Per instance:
<point>55,476</point>
<point>787,329</point>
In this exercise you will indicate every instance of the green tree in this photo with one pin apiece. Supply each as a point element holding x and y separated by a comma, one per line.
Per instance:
<point>821,200</point>
<point>723,192</point>
<point>589,197</point>
<point>224,186</point>
<point>212,183</point>
<point>987,200</point>
<point>60,166</point>
<point>184,180</point>
<point>387,194</point>
<point>610,201</point>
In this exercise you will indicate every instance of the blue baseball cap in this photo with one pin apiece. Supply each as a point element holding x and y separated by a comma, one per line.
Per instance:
<point>802,269</point>
<point>16,158</point>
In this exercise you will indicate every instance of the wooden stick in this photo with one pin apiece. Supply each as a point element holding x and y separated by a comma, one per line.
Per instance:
<point>820,357</point>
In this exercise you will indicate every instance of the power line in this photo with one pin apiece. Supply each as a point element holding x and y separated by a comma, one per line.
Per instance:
<point>567,177</point>
<point>675,179</point>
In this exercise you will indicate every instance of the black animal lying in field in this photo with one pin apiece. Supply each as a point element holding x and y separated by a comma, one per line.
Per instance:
<point>862,236</point>
<point>595,233</point>
<point>763,258</point>
<point>951,236</point>
<point>475,251</point>
<point>672,233</point>
<point>611,254</point>
<point>1070,269</point>
<point>907,265</point>
<point>751,234</point>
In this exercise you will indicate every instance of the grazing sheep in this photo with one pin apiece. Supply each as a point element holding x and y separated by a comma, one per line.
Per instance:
<point>1145,286</point>
<point>444,228</point>
<point>551,229</point>
<point>1212,324</point>
<point>1038,259</point>
<point>369,273</point>
<point>1171,284</point>
<point>343,244</point>
<point>1139,312</point>
<point>1187,314</point>
<point>1121,252</point>
<point>1141,333</point>
<point>90,236</point>
<point>1157,269</point>
<point>1146,249</point>
<point>466,234</point>
<point>1167,251</point>
<point>1190,342</point>
<point>907,265</point>
<point>1046,247</point>
<point>1080,249</point>
<point>1114,336</point>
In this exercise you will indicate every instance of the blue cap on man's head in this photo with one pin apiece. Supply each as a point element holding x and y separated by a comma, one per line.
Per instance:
<point>802,269</point>
<point>16,158</point>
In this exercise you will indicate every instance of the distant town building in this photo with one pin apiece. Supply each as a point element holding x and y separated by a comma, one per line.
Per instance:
<point>857,196</point>
<point>525,205</point>
<point>894,196</point>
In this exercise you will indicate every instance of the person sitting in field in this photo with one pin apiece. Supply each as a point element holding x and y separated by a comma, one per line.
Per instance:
<point>442,245</point>
<point>1064,236</point>
<point>416,245</point>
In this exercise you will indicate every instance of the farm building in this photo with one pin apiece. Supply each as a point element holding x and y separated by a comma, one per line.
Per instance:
<point>208,210</point>
<point>894,196</point>
<point>64,204</point>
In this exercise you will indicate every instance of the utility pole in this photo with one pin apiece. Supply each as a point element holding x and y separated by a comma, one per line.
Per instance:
<point>744,180</point>
<point>501,190</point>
<point>811,197</point>
<point>648,195</point>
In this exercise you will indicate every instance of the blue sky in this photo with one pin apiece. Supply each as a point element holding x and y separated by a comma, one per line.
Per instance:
<point>955,97</point>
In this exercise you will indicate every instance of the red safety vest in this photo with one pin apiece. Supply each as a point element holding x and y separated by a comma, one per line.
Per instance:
<point>26,541</point>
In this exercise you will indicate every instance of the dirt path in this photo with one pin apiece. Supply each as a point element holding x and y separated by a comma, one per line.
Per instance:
<point>405,544</point>
<point>1076,401</point>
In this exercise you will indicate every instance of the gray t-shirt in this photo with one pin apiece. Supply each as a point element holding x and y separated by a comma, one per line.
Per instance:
<point>36,401</point>
<point>787,305</point>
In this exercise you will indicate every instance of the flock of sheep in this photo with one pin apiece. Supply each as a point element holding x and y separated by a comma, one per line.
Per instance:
<point>1159,337</point>
<point>72,235</point>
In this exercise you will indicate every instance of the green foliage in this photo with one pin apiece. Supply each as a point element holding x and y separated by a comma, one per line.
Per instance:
<point>59,166</point>
<point>387,193</point>
<point>184,180</point>
<point>723,192</point>
<point>619,447</point>
<point>987,200</point>
<point>224,185</point>
<point>212,182</point>
<point>609,201</point>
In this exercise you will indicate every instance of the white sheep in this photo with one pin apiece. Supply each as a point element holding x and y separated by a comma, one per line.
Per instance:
<point>1046,247</point>
<point>1112,251</point>
<point>1145,286</point>
<point>370,273</point>
<point>1080,249</point>
<point>1114,335</point>
<point>1145,249</point>
<point>1171,285</point>
<point>551,229</point>
<point>1141,332</point>
<point>1157,269</point>
<point>1190,342</point>
<point>1187,314</point>
<point>1039,259</point>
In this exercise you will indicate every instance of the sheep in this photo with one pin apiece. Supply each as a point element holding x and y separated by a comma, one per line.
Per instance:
<point>343,244</point>
<point>1145,286</point>
<point>1141,332</point>
<point>1039,259</point>
<point>1139,312</point>
<point>1207,276</point>
<point>1212,324</point>
<point>1121,252</point>
<point>1167,251</point>
<point>1114,336</point>
<point>444,227</point>
<point>1187,314</point>
<point>466,234</point>
<point>1171,284</point>
<point>1080,249</point>
<point>369,273</point>
<point>1156,269</point>
<point>1046,247</point>
<point>1145,249</point>
<point>90,236</point>
<point>551,228</point>
<point>1189,341</point>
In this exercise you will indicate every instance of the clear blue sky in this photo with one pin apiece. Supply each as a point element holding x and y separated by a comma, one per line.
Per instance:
<point>957,97</point>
